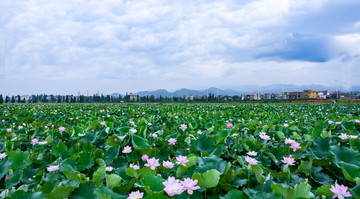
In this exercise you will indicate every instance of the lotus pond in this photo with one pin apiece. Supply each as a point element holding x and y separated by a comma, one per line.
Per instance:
<point>155,151</point>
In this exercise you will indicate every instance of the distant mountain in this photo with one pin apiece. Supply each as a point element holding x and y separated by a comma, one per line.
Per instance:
<point>115,94</point>
<point>184,91</point>
<point>239,90</point>
<point>156,93</point>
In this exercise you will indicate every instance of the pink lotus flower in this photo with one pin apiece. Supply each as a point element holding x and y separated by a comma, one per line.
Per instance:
<point>181,160</point>
<point>343,136</point>
<point>52,168</point>
<point>183,127</point>
<point>8,130</point>
<point>127,149</point>
<point>152,163</point>
<point>289,141</point>
<point>251,161</point>
<point>144,157</point>
<point>42,143</point>
<point>2,155</point>
<point>172,141</point>
<point>173,186</point>
<point>109,169</point>
<point>102,123</point>
<point>134,166</point>
<point>34,141</point>
<point>189,185</point>
<point>289,161</point>
<point>168,164</point>
<point>330,122</point>
<point>295,146</point>
<point>286,125</point>
<point>357,121</point>
<point>353,136</point>
<point>135,195</point>
<point>154,135</point>
<point>340,191</point>
<point>132,122</point>
<point>252,153</point>
<point>229,125</point>
<point>264,136</point>
<point>176,117</point>
<point>61,129</point>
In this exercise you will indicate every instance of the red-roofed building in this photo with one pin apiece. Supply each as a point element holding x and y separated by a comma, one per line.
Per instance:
<point>255,96</point>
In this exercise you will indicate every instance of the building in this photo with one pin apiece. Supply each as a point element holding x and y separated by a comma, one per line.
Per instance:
<point>322,94</point>
<point>297,95</point>
<point>267,96</point>
<point>312,94</point>
<point>133,97</point>
<point>255,96</point>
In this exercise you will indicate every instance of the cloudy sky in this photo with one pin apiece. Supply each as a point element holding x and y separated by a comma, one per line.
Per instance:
<point>63,47</point>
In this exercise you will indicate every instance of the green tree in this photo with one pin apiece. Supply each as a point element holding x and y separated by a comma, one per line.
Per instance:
<point>7,99</point>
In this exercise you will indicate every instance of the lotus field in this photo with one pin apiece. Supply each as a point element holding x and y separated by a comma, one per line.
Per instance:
<point>155,151</point>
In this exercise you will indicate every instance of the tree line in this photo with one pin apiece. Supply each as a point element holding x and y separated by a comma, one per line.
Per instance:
<point>44,98</point>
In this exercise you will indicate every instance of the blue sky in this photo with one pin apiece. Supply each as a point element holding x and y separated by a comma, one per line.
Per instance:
<point>64,47</point>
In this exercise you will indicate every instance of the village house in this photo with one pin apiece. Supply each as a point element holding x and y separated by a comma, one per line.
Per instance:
<point>322,94</point>
<point>133,97</point>
<point>311,94</point>
<point>297,95</point>
<point>255,96</point>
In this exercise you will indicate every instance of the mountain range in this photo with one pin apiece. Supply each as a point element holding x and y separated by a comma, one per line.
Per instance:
<point>247,89</point>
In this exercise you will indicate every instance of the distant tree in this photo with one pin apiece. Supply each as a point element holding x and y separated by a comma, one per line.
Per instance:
<point>127,97</point>
<point>72,99</point>
<point>67,99</point>
<point>12,99</point>
<point>7,99</point>
<point>44,98</point>
<point>82,99</point>
<point>107,98</point>
<point>58,99</point>
<point>1,99</point>
<point>52,99</point>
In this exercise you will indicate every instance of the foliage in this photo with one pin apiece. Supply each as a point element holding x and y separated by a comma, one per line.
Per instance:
<point>87,159</point>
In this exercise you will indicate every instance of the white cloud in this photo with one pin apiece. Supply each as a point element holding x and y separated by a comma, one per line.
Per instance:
<point>146,40</point>
<point>349,44</point>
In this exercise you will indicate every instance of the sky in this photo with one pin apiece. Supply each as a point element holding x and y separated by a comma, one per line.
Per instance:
<point>86,46</point>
